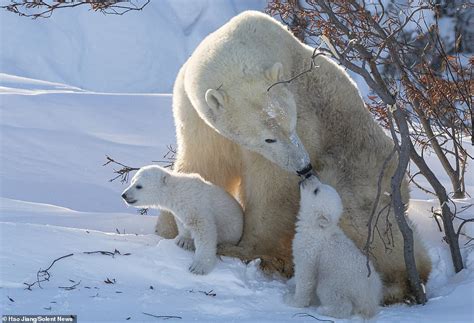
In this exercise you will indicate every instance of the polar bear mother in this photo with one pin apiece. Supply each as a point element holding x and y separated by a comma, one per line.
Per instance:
<point>238,135</point>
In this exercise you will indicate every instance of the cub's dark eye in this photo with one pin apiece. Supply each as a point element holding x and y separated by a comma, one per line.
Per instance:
<point>138,187</point>
<point>270,141</point>
<point>316,191</point>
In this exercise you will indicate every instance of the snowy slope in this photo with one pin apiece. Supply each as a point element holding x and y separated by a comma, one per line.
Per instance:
<point>137,52</point>
<point>55,141</point>
<point>56,200</point>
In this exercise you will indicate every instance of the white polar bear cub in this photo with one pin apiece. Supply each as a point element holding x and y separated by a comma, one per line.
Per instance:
<point>328,261</point>
<point>203,211</point>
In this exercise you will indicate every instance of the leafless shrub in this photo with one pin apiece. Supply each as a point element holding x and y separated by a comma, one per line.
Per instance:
<point>123,171</point>
<point>422,91</point>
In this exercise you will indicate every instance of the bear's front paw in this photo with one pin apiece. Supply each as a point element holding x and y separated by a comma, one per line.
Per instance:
<point>185,243</point>
<point>271,264</point>
<point>291,300</point>
<point>202,266</point>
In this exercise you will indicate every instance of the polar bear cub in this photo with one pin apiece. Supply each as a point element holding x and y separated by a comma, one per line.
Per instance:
<point>327,260</point>
<point>206,215</point>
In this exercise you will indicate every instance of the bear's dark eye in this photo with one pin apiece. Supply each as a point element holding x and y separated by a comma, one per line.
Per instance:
<point>270,141</point>
<point>138,187</point>
<point>316,191</point>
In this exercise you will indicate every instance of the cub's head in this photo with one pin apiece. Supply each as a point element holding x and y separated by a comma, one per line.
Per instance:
<point>262,119</point>
<point>146,187</point>
<point>320,203</point>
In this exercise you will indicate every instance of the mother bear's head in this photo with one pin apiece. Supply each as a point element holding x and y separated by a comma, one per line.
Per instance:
<point>227,80</point>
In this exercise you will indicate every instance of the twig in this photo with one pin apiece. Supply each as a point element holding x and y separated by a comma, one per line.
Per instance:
<point>469,241</point>
<point>312,65</point>
<point>164,317</point>
<point>105,253</point>
<point>170,157</point>
<point>412,180</point>
<point>436,214</point>
<point>70,287</point>
<point>44,275</point>
<point>312,316</point>
<point>143,211</point>
<point>375,205</point>
<point>209,293</point>
<point>464,208</point>
<point>462,224</point>
<point>123,173</point>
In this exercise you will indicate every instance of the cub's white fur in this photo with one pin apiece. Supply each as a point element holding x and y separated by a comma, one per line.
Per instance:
<point>328,261</point>
<point>206,215</point>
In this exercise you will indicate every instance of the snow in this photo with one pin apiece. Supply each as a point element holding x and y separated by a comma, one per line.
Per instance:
<point>56,198</point>
<point>137,52</point>
<point>40,164</point>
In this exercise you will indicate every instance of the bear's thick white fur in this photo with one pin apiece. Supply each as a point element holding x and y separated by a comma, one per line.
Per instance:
<point>224,115</point>
<point>206,214</point>
<point>327,261</point>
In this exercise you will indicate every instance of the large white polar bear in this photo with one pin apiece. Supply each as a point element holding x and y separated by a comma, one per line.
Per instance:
<point>252,142</point>
<point>206,214</point>
<point>327,263</point>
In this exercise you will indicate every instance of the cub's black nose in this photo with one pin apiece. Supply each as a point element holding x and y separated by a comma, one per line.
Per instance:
<point>124,196</point>
<point>305,171</point>
<point>305,178</point>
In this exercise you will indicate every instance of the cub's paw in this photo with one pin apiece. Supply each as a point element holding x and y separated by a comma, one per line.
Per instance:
<point>291,300</point>
<point>202,266</point>
<point>185,243</point>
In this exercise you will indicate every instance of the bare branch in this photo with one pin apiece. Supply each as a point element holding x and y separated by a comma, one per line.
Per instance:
<point>44,275</point>
<point>375,205</point>
<point>44,9</point>
<point>164,317</point>
<point>312,65</point>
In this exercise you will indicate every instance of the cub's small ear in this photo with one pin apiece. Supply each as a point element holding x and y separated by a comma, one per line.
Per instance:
<point>275,73</point>
<point>323,221</point>
<point>214,99</point>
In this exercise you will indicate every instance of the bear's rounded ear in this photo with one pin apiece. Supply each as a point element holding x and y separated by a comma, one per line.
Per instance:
<point>214,99</point>
<point>275,73</point>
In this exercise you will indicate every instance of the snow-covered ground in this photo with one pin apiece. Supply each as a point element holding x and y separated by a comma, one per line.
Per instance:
<point>56,200</point>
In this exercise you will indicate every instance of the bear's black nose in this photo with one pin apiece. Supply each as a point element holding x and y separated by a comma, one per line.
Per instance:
<point>124,196</point>
<point>303,172</point>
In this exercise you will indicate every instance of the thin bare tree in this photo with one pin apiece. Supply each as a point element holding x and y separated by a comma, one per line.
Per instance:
<point>422,94</point>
